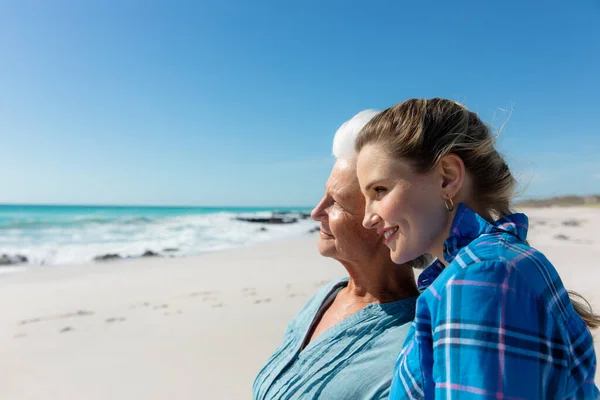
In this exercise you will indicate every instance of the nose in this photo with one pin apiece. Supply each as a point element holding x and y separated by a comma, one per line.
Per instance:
<point>318,213</point>
<point>371,220</point>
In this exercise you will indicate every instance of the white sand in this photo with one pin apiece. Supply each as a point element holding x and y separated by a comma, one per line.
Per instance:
<point>194,328</point>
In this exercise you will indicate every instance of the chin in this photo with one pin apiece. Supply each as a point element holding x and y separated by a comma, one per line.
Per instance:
<point>325,250</point>
<point>401,257</point>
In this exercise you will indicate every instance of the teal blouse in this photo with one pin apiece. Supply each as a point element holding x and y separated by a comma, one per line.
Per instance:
<point>354,359</point>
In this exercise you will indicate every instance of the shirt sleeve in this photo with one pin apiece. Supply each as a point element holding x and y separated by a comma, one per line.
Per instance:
<point>493,337</point>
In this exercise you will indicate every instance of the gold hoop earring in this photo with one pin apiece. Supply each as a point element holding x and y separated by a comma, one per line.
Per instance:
<point>449,204</point>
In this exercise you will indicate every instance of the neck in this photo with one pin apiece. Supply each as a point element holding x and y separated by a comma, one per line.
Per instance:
<point>438,250</point>
<point>380,281</point>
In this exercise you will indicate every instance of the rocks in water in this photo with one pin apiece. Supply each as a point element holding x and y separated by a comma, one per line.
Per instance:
<point>113,256</point>
<point>107,257</point>
<point>297,215</point>
<point>284,217</point>
<point>294,214</point>
<point>7,259</point>
<point>270,220</point>
<point>170,249</point>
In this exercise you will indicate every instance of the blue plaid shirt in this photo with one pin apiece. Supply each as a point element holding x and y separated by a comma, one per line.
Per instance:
<point>496,322</point>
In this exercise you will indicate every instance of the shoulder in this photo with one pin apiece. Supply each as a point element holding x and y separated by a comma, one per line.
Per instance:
<point>502,265</point>
<point>324,289</point>
<point>506,259</point>
<point>322,293</point>
<point>532,270</point>
<point>306,314</point>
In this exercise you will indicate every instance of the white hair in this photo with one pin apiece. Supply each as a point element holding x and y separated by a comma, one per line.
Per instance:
<point>343,141</point>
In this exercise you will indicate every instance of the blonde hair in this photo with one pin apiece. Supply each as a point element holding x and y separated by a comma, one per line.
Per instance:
<point>423,131</point>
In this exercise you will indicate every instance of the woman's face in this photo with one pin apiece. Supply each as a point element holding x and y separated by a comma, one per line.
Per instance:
<point>405,207</point>
<point>341,213</point>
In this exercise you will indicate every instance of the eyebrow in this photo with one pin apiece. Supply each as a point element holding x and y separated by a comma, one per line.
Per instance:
<point>337,195</point>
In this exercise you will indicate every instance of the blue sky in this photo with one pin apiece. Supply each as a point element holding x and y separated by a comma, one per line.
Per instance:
<point>236,102</point>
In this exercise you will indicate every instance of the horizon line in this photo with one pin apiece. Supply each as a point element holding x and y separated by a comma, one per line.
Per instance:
<point>141,205</point>
<point>516,199</point>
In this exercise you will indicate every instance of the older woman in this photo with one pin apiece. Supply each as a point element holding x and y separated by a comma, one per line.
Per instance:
<point>344,342</point>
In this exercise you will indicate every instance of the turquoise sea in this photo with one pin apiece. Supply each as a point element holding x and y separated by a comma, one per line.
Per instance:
<point>51,235</point>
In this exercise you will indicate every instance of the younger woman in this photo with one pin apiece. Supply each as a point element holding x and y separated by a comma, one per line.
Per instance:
<point>494,320</point>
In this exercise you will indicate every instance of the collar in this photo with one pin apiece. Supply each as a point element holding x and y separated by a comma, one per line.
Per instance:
<point>466,227</point>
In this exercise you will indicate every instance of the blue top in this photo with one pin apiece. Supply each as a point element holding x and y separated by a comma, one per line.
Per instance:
<point>496,322</point>
<point>353,359</point>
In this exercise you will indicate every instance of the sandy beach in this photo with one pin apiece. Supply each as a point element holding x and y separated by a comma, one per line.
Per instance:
<point>197,327</point>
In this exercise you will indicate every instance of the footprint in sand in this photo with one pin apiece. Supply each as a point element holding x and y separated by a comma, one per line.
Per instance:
<point>173,313</point>
<point>292,295</point>
<point>161,306</point>
<point>204,293</point>
<point>29,321</point>
<point>20,335</point>
<point>573,222</point>
<point>114,319</point>
<point>207,296</point>
<point>141,305</point>
<point>248,292</point>
<point>260,301</point>
<point>218,305</point>
<point>78,313</point>
<point>67,329</point>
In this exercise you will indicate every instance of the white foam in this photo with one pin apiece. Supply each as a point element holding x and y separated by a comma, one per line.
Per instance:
<point>191,235</point>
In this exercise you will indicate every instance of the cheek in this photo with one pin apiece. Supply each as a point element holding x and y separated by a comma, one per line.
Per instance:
<point>333,215</point>
<point>335,221</point>
<point>428,218</point>
<point>345,227</point>
<point>393,209</point>
<point>414,210</point>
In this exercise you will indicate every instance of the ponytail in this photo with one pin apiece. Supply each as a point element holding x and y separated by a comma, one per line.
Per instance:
<point>584,309</point>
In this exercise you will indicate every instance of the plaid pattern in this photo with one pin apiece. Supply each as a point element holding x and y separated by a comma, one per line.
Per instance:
<point>496,322</point>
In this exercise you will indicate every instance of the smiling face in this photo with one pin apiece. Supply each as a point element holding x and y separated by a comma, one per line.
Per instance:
<point>404,206</point>
<point>341,213</point>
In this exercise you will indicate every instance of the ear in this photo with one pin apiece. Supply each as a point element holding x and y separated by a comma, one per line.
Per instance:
<point>452,169</point>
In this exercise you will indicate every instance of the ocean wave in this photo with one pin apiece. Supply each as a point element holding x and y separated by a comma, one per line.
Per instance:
<point>78,221</point>
<point>85,238</point>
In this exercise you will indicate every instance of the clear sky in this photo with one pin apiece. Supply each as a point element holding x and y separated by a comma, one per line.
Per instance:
<point>236,102</point>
